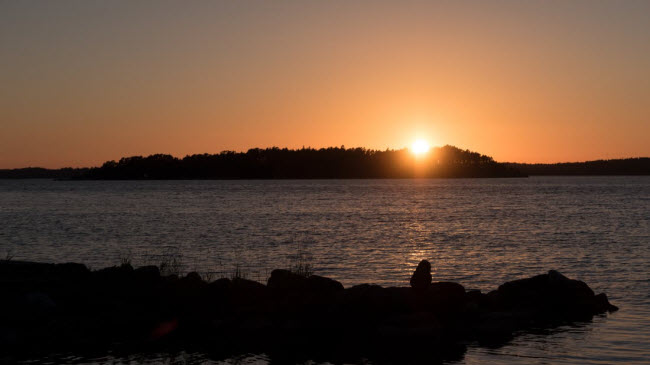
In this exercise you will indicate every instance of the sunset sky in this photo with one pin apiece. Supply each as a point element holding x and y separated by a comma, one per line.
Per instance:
<point>82,82</point>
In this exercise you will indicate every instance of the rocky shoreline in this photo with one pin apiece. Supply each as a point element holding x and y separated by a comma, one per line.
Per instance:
<point>62,307</point>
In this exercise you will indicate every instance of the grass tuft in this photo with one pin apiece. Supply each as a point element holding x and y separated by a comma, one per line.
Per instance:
<point>171,265</point>
<point>238,273</point>
<point>301,262</point>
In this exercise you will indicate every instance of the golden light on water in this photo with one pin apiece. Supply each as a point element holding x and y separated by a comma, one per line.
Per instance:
<point>420,147</point>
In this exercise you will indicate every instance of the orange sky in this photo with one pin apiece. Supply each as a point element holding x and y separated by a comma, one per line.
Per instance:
<point>84,82</point>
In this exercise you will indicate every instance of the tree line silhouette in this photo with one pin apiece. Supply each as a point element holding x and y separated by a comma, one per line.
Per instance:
<point>327,163</point>
<point>626,166</point>
<point>306,163</point>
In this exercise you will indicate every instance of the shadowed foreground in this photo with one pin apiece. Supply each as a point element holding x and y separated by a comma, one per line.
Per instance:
<point>66,307</point>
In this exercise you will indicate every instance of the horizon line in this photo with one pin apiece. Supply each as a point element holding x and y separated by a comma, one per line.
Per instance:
<point>315,148</point>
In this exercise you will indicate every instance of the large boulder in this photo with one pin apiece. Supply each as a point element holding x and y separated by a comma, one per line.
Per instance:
<point>602,304</point>
<point>190,285</point>
<point>552,293</point>
<point>286,280</point>
<point>421,278</point>
<point>193,277</point>
<point>323,285</point>
<point>220,285</point>
<point>245,285</point>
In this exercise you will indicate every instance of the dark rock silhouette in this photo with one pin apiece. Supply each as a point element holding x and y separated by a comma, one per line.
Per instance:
<point>554,292</point>
<point>66,307</point>
<point>322,284</point>
<point>148,274</point>
<point>446,296</point>
<point>421,278</point>
<point>286,280</point>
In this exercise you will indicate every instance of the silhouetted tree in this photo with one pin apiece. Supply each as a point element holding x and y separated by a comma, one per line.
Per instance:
<point>306,163</point>
<point>327,163</point>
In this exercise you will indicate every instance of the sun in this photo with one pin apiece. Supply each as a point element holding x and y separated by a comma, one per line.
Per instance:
<point>420,147</point>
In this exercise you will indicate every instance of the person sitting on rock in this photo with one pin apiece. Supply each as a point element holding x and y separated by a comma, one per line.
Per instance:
<point>421,278</point>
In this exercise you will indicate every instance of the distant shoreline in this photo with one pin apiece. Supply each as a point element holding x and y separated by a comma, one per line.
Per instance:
<point>9,175</point>
<point>328,164</point>
<point>532,170</point>
<point>283,163</point>
<point>639,166</point>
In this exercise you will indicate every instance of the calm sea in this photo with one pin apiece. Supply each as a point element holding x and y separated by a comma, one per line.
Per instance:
<point>479,232</point>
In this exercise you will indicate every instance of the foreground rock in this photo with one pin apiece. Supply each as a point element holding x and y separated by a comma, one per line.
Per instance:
<point>55,307</point>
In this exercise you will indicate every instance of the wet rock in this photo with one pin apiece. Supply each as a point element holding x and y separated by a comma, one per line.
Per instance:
<point>551,287</point>
<point>421,278</point>
<point>563,286</point>
<point>553,295</point>
<point>602,304</point>
<point>522,291</point>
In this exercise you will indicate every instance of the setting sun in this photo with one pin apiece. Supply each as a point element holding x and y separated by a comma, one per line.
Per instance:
<point>420,147</point>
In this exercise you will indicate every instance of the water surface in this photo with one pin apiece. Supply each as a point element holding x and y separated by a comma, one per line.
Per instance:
<point>479,232</point>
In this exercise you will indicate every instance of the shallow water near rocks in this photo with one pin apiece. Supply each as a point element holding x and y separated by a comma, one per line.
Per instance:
<point>478,232</point>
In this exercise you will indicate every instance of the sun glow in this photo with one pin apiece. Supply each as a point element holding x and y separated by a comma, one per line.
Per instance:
<point>420,147</point>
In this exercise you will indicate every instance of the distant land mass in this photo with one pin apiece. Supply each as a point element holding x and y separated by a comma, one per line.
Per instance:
<point>327,163</point>
<point>626,166</point>
<point>283,163</point>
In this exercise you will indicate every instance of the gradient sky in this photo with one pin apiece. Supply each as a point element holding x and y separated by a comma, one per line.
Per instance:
<point>82,82</point>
